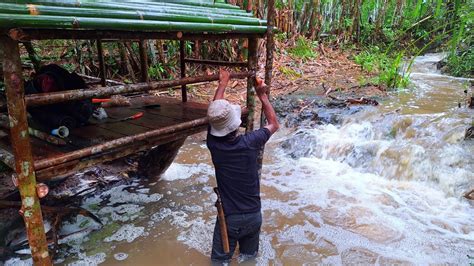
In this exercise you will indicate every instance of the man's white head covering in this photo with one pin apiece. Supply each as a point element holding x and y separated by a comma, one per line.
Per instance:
<point>224,117</point>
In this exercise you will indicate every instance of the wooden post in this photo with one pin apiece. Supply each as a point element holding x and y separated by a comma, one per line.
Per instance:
<point>268,69</point>
<point>20,139</point>
<point>182,57</point>
<point>252,67</point>
<point>270,47</point>
<point>143,61</point>
<point>100,54</point>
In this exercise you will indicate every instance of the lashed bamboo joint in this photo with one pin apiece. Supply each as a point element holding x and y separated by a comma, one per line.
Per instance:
<point>105,20</point>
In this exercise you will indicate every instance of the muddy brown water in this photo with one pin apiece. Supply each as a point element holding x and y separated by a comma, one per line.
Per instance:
<point>384,187</point>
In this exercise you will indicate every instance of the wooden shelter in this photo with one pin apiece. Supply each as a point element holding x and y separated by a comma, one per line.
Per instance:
<point>182,20</point>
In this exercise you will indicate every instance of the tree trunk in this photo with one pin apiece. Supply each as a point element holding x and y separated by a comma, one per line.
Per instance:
<point>341,27</point>
<point>355,27</point>
<point>314,22</point>
<point>152,52</point>
<point>126,66</point>
<point>380,19</point>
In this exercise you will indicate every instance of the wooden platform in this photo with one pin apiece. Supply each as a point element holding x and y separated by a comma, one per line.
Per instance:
<point>158,112</point>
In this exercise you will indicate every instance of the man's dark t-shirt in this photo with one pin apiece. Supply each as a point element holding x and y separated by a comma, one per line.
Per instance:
<point>235,161</point>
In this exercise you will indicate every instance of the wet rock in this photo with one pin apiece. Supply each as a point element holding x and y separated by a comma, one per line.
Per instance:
<point>298,145</point>
<point>358,256</point>
<point>309,111</point>
<point>469,133</point>
<point>390,261</point>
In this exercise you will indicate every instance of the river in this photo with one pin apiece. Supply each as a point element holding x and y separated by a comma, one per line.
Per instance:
<point>384,186</point>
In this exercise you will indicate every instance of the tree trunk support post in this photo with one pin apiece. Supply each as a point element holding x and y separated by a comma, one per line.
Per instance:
<point>143,60</point>
<point>252,67</point>
<point>31,208</point>
<point>100,54</point>
<point>182,59</point>
<point>270,47</point>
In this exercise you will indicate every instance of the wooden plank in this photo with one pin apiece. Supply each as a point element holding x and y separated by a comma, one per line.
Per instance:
<point>92,135</point>
<point>124,128</point>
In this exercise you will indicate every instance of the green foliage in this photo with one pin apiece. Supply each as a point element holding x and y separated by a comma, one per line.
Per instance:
<point>289,72</point>
<point>303,49</point>
<point>461,64</point>
<point>156,71</point>
<point>372,59</point>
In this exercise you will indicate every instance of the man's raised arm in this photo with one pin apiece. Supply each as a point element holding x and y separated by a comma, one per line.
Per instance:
<point>224,77</point>
<point>262,93</point>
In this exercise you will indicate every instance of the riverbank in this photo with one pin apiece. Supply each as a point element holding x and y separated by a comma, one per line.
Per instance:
<point>330,72</point>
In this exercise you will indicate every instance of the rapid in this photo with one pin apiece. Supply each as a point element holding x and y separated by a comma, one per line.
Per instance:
<point>383,186</point>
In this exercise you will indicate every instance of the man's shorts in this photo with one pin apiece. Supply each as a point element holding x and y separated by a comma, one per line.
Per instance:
<point>241,228</point>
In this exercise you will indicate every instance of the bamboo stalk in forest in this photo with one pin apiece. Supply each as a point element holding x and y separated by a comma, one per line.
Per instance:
<point>52,22</point>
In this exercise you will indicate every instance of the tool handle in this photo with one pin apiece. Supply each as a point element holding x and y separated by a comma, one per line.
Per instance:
<point>222,222</point>
<point>137,115</point>
<point>96,100</point>
<point>223,227</point>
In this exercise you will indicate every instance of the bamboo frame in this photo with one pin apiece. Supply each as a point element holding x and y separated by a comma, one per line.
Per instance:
<point>56,97</point>
<point>47,34</point>
<point>23,160</point>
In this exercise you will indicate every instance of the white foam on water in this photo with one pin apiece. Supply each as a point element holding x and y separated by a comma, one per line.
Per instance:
<point>385,215</point>
<point>127,233</point>
<point>179,171</point>
<point>18,262</point>
<point>120,256</point>
<point>85,260</point>
<point>198,235</point>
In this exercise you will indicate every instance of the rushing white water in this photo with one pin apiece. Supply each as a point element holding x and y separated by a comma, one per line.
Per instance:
<point>383,187</point>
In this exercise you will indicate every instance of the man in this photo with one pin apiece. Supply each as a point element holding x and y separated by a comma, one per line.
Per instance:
<point>235,160</point>
<point>71,114</point>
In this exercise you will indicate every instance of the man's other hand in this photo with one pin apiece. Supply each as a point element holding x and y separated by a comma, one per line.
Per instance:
<point>224,75</point>
<point>261,88</point>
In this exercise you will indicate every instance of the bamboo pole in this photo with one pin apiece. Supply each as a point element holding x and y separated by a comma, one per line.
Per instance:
<point>69,22</point>
<point>118,143</point>
<point>143,60</point>
<point>100,55</point>
<point>55,34</point>
<point>31,209</point>
<point>57,172</point>
<point>63,96</point>
<point>215,63</point>
<point>252,66</point>
<point>139,12</point>
<point>114,6</point>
